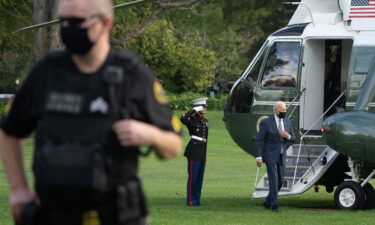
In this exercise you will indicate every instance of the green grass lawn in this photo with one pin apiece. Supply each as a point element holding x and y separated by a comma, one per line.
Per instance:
<point>227,189</point>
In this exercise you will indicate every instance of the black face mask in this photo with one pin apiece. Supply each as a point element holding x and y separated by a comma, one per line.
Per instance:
<point>282,115</point>
<point>76,40</point>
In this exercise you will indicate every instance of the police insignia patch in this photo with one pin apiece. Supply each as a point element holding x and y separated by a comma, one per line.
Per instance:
<point>99,105</point>
<point>176,124</point>
<point>159,93</point>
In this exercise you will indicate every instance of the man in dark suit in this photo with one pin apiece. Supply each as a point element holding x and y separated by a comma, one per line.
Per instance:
<point>270,147</point>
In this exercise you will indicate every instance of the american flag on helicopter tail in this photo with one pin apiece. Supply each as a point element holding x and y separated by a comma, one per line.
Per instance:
<point>362,9</point>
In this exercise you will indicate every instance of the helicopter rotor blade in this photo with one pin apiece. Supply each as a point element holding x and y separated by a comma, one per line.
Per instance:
<point>127,3</point>
<point>39,25</point>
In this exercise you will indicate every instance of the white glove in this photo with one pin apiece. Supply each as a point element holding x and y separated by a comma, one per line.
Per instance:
<point>198,108</point>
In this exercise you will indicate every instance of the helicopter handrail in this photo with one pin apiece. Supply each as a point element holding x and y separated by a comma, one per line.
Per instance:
<point>303,136</point>
<point>338,98</point>
<point>299,95</point>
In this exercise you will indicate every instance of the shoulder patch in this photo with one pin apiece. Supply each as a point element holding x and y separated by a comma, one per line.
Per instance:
<point>159,93</point>
<point>176,124</point>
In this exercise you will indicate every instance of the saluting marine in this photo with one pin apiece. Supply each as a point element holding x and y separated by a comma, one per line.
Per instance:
<point>196,149</point>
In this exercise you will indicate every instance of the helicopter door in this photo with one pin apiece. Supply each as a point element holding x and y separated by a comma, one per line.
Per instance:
<point>333,78</point>
<point>312,80</point>
<point>324,76</point>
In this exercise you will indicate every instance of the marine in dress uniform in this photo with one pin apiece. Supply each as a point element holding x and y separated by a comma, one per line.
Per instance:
<point>196,149</point>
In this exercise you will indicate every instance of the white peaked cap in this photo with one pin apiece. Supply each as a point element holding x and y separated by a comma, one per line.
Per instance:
<point>199,101</point>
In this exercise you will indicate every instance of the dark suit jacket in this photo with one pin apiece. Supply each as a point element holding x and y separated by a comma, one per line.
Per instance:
<point>268,142</point>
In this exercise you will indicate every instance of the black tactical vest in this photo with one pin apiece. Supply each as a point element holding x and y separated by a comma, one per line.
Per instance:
<point>77,155</point>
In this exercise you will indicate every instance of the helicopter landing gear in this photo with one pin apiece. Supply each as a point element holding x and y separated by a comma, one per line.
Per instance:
<point>353,194</point>
<point>349,195</point>
<point>329,189</point>
<point>370,196</point>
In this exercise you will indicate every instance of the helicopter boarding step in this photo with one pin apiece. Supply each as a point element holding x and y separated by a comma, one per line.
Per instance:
<point>313,162</point>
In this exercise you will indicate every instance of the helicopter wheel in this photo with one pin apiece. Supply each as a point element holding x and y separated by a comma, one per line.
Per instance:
<point>370,197</point>
<point>349,195</point>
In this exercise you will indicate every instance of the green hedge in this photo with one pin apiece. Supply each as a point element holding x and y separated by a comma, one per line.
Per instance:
<point>2,109</point>
<point>176,101</point>
<point>183,101</point>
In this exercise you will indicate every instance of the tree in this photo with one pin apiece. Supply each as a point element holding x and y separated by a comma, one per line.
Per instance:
<point>222,34</point>
<point>181,60</point>
<point>15,50</point>
<point>255,20</point>
<point>181,65</point>
<point>208,20</point>
<point>46,38</point>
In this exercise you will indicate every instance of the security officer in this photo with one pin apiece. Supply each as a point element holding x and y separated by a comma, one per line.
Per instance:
<point>196,149</point>
<point>91,108</point>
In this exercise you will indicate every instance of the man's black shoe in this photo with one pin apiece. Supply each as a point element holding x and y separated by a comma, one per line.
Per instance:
<point>265,205</point>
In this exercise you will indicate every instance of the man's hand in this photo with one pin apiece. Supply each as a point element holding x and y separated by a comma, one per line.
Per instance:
<point>134,133</point>
<point>198,108</point>
<point>259,162</point>
<point>18,200</point>
<point>284,134</point>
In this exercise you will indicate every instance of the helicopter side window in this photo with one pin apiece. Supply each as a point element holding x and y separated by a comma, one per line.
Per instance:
<point>253,75</point>
<point>363,63</point>
<point>282,65</point>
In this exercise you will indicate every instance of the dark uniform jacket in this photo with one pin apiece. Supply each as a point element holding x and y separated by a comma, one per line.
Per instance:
<point>197,126</point>
<point>70,110</point>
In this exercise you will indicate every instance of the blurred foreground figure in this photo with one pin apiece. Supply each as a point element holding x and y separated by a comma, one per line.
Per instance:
<point>196,149</point>
<point>91,108</point>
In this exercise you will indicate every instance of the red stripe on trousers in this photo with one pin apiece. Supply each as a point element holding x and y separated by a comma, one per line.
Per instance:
<point>191,183</point>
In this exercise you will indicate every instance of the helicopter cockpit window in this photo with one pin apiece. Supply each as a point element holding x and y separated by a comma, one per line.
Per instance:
<point>282,65</point>
<point>253,75</point>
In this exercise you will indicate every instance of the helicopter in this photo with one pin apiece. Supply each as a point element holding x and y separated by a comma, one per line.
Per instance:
<point>322,66</point>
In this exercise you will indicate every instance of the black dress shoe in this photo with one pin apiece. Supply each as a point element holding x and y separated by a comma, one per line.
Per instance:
<point>275,209</point>
<point>265,205</point>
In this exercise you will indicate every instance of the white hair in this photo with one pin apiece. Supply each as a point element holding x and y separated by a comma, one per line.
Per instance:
<point>277,105</point>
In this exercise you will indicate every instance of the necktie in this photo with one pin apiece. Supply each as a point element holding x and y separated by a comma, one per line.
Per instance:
<point>280,128</point>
